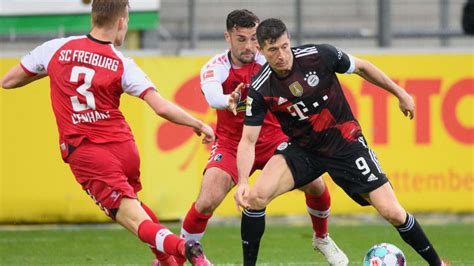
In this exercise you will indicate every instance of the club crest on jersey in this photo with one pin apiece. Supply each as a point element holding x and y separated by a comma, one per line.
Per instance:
<point>312,79</point>
<point>218,157</point>
<point>296,89</point>
<point>282,146</point>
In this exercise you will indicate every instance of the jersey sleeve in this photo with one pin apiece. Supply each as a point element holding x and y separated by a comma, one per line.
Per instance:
<point>336,59</point>
<point>214,95</point>
<point>212,76</point>
<point>213,72</point>
<point>256,108</point>
<point>134,81</point>
<point>36,61</point>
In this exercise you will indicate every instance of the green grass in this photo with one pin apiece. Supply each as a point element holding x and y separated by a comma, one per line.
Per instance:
<point>282,245</point>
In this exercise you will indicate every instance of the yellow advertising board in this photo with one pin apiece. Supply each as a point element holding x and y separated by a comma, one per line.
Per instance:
<point>429,160</point>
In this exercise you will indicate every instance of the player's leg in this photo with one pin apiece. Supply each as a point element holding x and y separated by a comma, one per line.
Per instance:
<point>318,200</point>
<point>127,154</point>
<point>162,259</point>
<point>289,168</point>
<point>101,172</point>
<point>384,200</point>
<point>275,179</point>
<point>361,177</point>
<point>216,183</point>
<point>252,225</point>
<point>318,203</point>
<point>133,217</point>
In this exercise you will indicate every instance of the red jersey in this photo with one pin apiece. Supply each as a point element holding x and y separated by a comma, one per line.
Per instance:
<point>220,69</point>
<point>87,78</point>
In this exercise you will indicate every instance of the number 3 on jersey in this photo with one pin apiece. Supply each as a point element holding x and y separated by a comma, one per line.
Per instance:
<point>90,102</point>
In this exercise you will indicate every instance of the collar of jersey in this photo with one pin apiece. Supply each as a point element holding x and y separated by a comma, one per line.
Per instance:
<point>97,41</point>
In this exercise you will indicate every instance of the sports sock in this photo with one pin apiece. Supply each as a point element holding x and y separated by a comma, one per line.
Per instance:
<point>194,224</point>
<point>318,208</point>
<point>412,233</point>
<point>158,254</point>
<point>251,231</point>
<point>158,236</point>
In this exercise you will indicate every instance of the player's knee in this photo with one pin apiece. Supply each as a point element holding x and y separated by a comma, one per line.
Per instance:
<point>315,188</point>
<point>395,216</point>
<point>206,205</point>
<point>257,200</point>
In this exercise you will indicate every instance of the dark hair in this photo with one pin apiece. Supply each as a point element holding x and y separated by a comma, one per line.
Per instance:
<point>241,18</point>
<point>106,12</point>
<point>270,30</point>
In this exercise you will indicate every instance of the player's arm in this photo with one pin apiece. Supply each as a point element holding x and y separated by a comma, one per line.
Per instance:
<point>216,98</point>
<point>340,62</point>
<point>374,75</point>
<point>17,77</point>
<point>212,76</point>
<point>175,114</point>
<point>32,66</point>
<point>255,112</point>
<point>245,160</point>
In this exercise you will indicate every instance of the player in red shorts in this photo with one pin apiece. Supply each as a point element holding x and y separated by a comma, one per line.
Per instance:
<point>87,78</point>
<point>223,81</point>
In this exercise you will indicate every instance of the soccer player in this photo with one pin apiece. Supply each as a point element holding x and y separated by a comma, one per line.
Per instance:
<point>87,77</point>
<point>300,87</point>
<point>224,82</point>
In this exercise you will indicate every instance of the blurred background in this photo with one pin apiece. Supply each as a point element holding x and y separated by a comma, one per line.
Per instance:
<point>181,26</point>
<point>424,45</point>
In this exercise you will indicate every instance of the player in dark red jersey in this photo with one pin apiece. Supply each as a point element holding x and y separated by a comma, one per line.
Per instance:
<point>219,79</point>
<point>300,87</point>
<point>87,78</point>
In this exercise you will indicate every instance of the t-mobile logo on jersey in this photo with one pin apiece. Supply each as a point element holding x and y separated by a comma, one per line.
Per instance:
<point>299,109</point>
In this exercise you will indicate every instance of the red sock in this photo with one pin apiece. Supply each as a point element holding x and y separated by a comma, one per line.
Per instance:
<point>158,236</point>
<point>194,224</point>
<point>318,209</point>
<point>158,254</point>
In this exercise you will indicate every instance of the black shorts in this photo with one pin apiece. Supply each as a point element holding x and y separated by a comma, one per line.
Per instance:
<point>357,172</point>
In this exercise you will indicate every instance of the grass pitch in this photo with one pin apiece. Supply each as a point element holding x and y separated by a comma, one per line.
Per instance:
<point>282,244</point>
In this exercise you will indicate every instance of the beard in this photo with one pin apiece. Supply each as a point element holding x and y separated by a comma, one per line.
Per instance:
<point>246,60</point>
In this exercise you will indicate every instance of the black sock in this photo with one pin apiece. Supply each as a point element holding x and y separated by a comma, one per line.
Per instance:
<point>251,231</point>
<point>412,233</point>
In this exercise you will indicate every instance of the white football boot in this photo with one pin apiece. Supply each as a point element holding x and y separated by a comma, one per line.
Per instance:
<point>334,255</point>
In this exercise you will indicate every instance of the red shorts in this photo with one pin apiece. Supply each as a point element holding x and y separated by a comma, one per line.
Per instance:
<point>108,172</point>
<point>224,153</point>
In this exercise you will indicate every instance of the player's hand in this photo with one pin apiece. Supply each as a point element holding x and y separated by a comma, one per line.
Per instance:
<point>241,196</point>
<point>209,136</point>
<point>407,105</point>
<point>234,98</point>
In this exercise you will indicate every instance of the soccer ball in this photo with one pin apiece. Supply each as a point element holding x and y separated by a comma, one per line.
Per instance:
<point>384,255</point>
